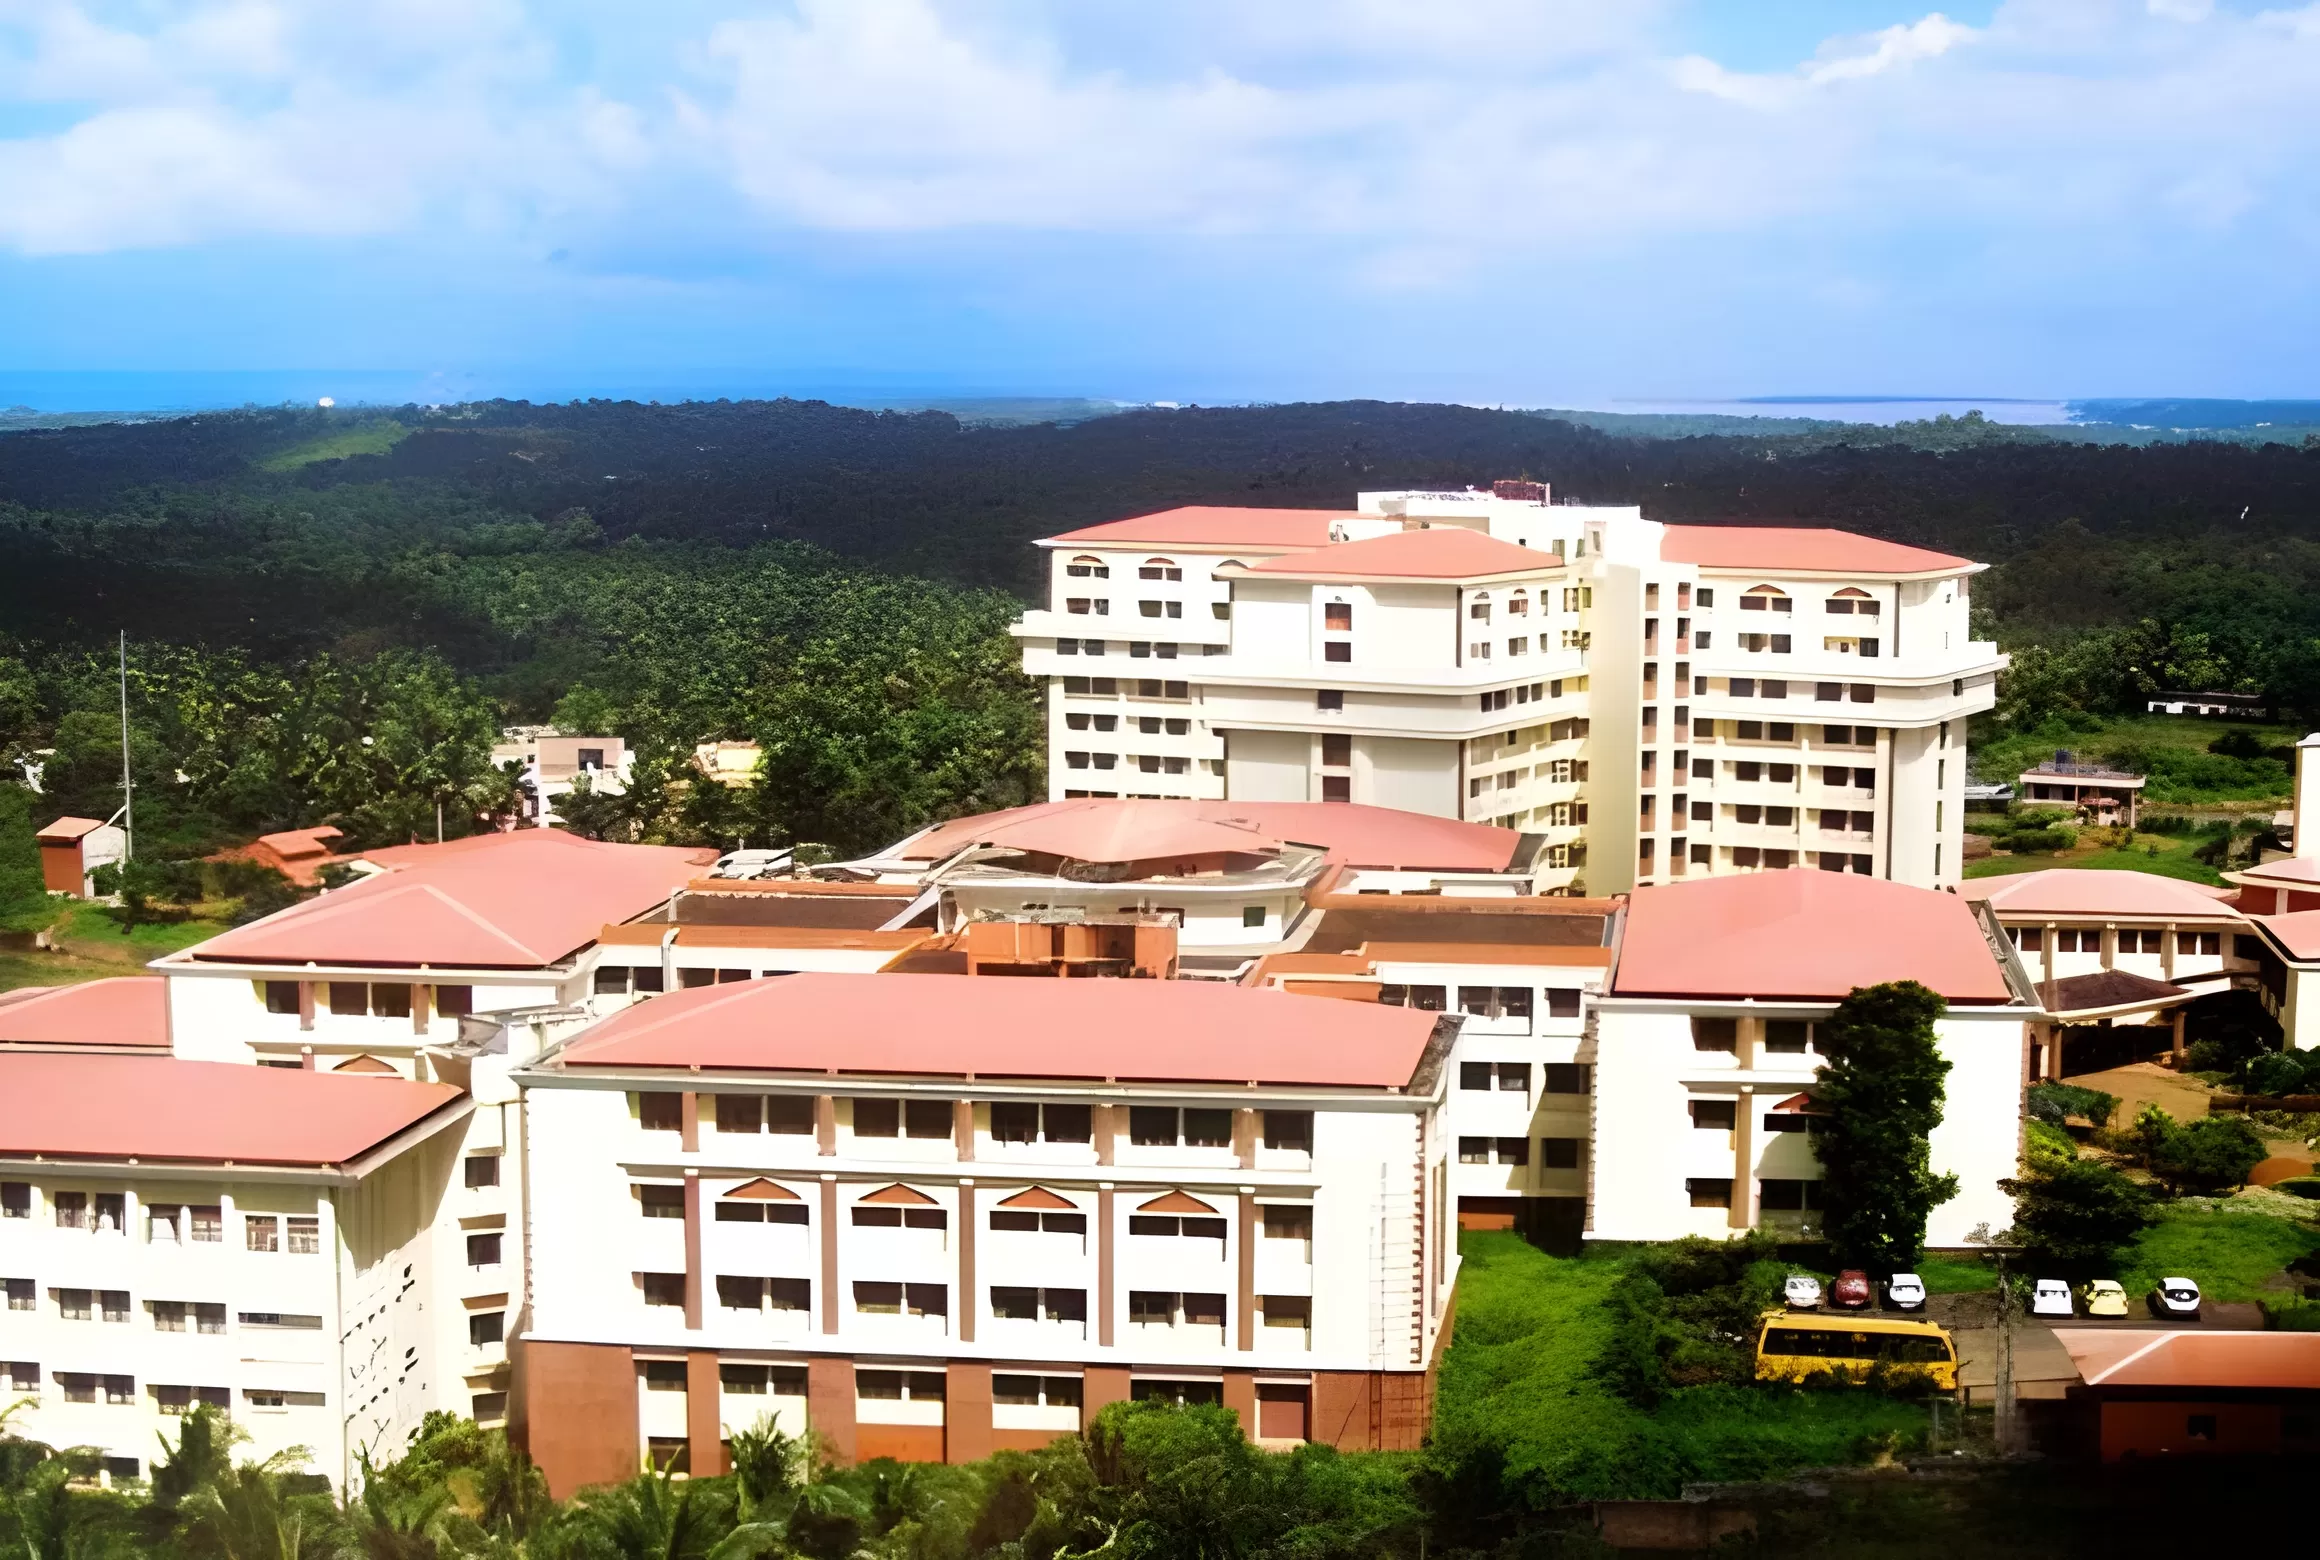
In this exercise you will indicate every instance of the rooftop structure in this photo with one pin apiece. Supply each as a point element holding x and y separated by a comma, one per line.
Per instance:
<point>126,1013</point>
<point>71,851</point>
<point>2105,795</point>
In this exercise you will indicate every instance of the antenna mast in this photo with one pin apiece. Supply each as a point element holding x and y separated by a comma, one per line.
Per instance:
<point>128,786</point>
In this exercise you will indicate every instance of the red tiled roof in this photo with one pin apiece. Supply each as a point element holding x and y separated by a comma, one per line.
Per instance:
<point>518,901</point>
<point>2297,933</point>
<point>1356,835</point>
<point>1443,552</point>
<point>160,1108</point>
<point>300,842</point>
<point>2093,892</point>
<point>128,1010</point>
<point>1800,934</point>
<point>2155,1357</point>
<point>66,830</point>
<point>1166,1031</point>
<point>1799,549</point>
<point>1217,526</point>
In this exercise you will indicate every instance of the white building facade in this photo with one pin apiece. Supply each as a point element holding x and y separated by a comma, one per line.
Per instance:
<point>1657,701</point>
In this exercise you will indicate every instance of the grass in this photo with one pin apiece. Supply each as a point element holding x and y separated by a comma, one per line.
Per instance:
<point>2228,1254</point>
<point>365,438</point>
<point>1956,1275</point>
<point>91,945</point>
<point>2170,749</point>
<point>2172,859</point>
<point>1522,1387</point>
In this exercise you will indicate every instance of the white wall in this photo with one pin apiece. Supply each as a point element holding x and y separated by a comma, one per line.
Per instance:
<point>1414,775</point>
<point>1266,766</point>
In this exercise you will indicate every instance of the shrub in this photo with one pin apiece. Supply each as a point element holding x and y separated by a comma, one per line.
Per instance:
<point>2204,1155</point>
<point>2056,1102</point>
<point>2292,1315</point>
<point>2024,842</point>
<point>2304,1186</point>
<point>2282,1072</point>
<point>2078,1215</point>
<point>2045,1143</point>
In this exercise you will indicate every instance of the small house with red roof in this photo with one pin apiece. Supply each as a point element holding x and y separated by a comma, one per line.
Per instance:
<point>71,850</point>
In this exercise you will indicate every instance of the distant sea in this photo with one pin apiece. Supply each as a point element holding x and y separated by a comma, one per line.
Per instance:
<point>1858,408</point>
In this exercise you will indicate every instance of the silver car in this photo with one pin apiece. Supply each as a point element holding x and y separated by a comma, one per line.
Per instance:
<point>1802,1292</point>
<point>2176,1298</point>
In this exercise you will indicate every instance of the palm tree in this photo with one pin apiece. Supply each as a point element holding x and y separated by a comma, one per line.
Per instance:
<point>246,1514</point>
<point>651,1517</point>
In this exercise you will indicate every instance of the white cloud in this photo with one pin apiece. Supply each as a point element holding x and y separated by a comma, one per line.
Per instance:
<point>1421,139</point>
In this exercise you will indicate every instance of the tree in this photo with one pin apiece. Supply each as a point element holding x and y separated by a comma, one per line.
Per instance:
<point>2208,1154</point>
<point>24,901</point>
<point>593,814</point>
<point>2076,1214</point>
<point>1882,1091</point>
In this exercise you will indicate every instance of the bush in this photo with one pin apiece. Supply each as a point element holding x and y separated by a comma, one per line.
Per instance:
<point>2282,1072</point>
<point>2045,1143</point>
<point>2209,1154</point>
<point>2078,1215</point>
<point>2056,1102</point>
<point>2304,1186</point>
<point>2025,842</point>
<point>2292,1315</point>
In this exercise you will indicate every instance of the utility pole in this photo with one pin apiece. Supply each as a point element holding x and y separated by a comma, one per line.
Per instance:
<point>2002,1406</point>
<point>128,786</point>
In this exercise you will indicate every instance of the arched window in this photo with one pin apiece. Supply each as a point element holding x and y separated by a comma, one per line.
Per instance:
<point>1766,598</point>
<point>1160,569</point>
<point>1230,563</point>
<point>1478,606</point>
<point>1085,567</point>
<point>1852,600</point>
<point>1518,605</point>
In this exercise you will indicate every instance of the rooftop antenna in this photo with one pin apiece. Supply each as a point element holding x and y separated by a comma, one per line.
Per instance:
<point>128,786</point>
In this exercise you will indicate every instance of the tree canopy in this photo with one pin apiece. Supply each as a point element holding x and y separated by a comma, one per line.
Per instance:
<point>1881,1087</point>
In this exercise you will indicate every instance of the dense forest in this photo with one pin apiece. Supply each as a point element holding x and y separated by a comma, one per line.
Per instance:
<point>330,612</point>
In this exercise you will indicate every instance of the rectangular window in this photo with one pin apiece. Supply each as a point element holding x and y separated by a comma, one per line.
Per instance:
<point>15,1200</point>
<point>878,1118</point>
<point>262,1232</point>
<point>1716,1034</point>
<point>1709,1192</point>
<point>305,1236</point>
<point>1715,1115</point>
<point>1569,1078</point>
<point>1289,1131</point>
<point>1559,1153</point>
<point>454,1001</point>
<point>1787,1036</point>
<point>660,1112</point>
<point>282,997</point>
<point>1329,699</point>
<point>663,1289</point>
<point>482,1170</point>
<point>485,1327</point>
<point>661,1202</point>
<point>483,1250</point>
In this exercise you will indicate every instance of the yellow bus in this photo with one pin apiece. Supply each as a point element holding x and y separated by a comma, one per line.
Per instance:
<point>1791,1346</point>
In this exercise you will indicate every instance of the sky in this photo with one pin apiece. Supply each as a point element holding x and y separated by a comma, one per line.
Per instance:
<point>1530,202</point>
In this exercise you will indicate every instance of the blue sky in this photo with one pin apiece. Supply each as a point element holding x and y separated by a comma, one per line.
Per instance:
<point>1528,201</point>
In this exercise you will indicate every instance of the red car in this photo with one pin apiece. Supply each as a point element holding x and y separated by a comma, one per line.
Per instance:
<point>1851,1291</point>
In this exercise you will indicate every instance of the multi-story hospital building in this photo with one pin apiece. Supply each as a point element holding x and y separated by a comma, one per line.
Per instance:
<point>1652,701</point>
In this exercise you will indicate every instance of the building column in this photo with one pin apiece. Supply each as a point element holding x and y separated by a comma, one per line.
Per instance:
<point>695,1280</point>
<point>825,1125</point>
<point>2110,947</point>
<point>2167,953</point>
<point>1099,1386</point>
<point>689,1121</point>
<point>1240,1395</point>
<point>830,1406</point>
<point>1246,1299</point>
<point>968,1294</point>
<point>704,1417</point>
<point>1105,1131</point>
<point>963,1128</point>
<point>966,1412</point>
<point>2054,1052</point>
<point>1245,1138</point>
<point>1742,1214</point>
<point>830,1254</point>
<point>2177,1047</point>
<point>1106,1247</point>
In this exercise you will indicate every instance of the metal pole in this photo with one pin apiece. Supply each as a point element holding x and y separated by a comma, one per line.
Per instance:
<point>2002,1387</point>
<point>128,786</point>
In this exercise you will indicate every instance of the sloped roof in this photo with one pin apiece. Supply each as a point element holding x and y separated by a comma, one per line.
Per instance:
<point>2297,933</point>
<point>159,1108</point>
<point>300,842</point>
<point>1799,550</point>
<point>2105,989</point>
<point>505,901</point>
<point>1166,1031</point>
<point>1445,552</point>
<point>2172,1357</point>
<point>1803,935</point>
<point>1217,526</point>
<point>2089,891</point>
<point>66,830</point>
<point>1353,834</point>
<point>128,1010</point>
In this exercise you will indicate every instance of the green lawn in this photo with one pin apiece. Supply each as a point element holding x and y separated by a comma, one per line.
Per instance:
<point>1523,1390</point>
<point>2229,1255</point>
<point>91,946</point>
<point>2170,749</point>
<point>1956,1275</point>
<point>366,438</point>
<point>2172,859</point>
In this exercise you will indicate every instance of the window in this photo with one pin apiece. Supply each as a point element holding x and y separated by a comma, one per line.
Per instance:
<point>768,1294</point>
<point>899,1385</point>
<point>281,1319</point>
<point>1170,1226</point>
<point>1287,1221</point>
<point>487,1408</point>
<point>1086,568</point>
<point>1329,699</point>
<point>664,1375</point>
<point>1029,1221</point>
<point>1014,1304</point>
<point>74,1304</point>
<point>482,1170</point>
<point>1426,999</point>
<point>1569,1078</point>
<point>282,997</point>
<point>661,1202</point>
<point>1019,1122</point>
<point>305,1236</point>
<point>1337,788</point>
<point>1286,1311</point>
<point>1716,1034</point>
<point>1787,1036</point>
<point>878,1118</point>
<point>748,1210</point>
<point>1715,1115</point>
<point>20,1293</point>
<point>2209,944</point>
<point>660,1112</point>
<point>1033,1391</point>
<point>663,1289</point>
<point>886,1299</point>
<point>1289,1131</point>
<point>483,1250</point>
<point>1253,916</point>
<point>485,1328</point>
<point>1337,617</point>
<point>262,1232</point>
<point>1160,569</point>
<point>870,1215</point>
<point>15,1200</point>
<point>1164,1126</point>
<point>1559,1153</point>
<point>1161,1308</point>
<point>1788,1196</point>
<point>454,1001</point>
<point>1864,693</point>
<point>1710,1192</point>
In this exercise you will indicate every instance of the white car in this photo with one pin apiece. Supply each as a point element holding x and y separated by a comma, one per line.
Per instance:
<point>1802,1292</point>
<point>2176,1297</point>
<point>2050,1297</point>
<point>1905,1292</point>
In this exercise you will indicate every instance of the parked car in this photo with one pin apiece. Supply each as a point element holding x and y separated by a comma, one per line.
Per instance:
<point>2176,1297</point>
<point>2105,1297</point>
<point>2050,1297</point>
<point>1802,1292</point>
<point>1905,1292</point>
<point>1851,1290</point>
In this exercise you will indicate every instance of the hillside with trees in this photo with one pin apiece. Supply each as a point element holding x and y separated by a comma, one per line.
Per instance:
<point>836,583</point>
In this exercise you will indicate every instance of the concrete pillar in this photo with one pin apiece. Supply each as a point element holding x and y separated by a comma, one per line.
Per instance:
<point>1106,1249</point>
<point>694,1278</point>
<point>704,1422</point>
<point>825,1124</point>
<point>1742,1214</point>
<point>830,1255</point>
<point>689,1122</point>
<point>2177,1047</point>
<point>966,1412</point>
<point>968,1294</point>
<point>1245,1300</point>
<point>1101,1385</point>
<point>830,1405</point>
<point>1240,1395</point>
